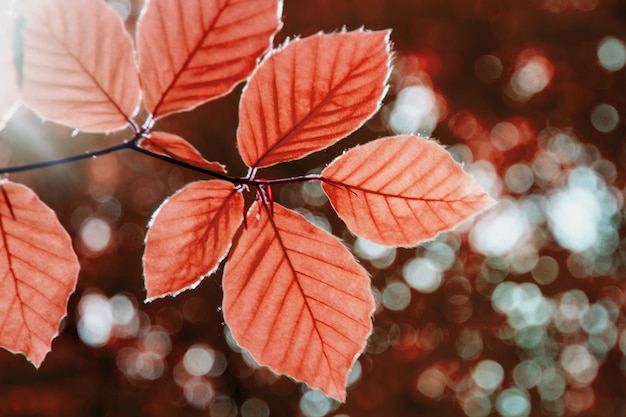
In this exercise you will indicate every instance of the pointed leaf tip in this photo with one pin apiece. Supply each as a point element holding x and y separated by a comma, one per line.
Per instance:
<point>296,299</point>
<point>39,271</point>
<point>189,235</point>
<point>400,191</point>
<point>194,51</point>
<point>311,93</point>
<point>79,66</point>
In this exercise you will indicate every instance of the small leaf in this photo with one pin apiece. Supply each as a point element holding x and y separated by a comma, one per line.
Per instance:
<point>402,190</point>
<point>189,236</point>
<point>79,67</point>
<point>9,92</point>
<point>193,51</point>
<point>296,299</point>
<point>174,146</point>
<point>311,93</point>
<point>38,272</point>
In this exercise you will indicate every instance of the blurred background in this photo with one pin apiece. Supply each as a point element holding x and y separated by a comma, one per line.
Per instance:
<point>519,312</point>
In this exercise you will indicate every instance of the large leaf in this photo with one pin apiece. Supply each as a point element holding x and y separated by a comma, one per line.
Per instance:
<point>174,146</point>
<point>311,93</point>
<point>38,272</point>
<point>189,235</point>
<point>193,51</point>
<point>401,190</point>
<point>8,77</point>
<point>79,67</point>
<point>295,298</point>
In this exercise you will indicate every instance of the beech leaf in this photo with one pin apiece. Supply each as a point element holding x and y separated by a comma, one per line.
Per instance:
<point>402,190</point>
<point>310,94</point>
<point>9,92</point>
<point>296,299</point>
<point>38,272</point>
<point>189,235</point>
<point>79,67</point>
<point>197,50</point>
<point>176,147</point>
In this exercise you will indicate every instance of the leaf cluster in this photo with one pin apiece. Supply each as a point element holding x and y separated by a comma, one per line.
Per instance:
<point>294,296</point>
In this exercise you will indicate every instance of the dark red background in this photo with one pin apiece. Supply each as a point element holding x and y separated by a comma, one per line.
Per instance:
<point>448,36</point>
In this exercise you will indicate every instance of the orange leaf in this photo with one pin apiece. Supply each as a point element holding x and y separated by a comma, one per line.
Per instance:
<point>401,190</point>
<point>8,81</point>
<point>79,67</point>
<point>189,235</point>
<point>38,272</point>
<point>311,93</point>
<point>296,299</point>
<point>193,51</point>
<point>174,146</point>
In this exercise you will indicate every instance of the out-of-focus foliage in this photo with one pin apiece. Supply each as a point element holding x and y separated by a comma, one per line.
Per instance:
<point>521,313</point>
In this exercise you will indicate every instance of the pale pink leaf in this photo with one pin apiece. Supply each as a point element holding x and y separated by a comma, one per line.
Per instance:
<point>296,300</point>
<point>9,92</point>
<point>175,147</point>
<point>400,191</point>
<point>189,235</point>
<point>193,51</point>
<point>311,93</point>
<point>38,272</point>
<point>79,67</point>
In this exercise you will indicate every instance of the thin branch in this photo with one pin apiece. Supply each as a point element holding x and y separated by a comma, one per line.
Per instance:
<point>133,145</point>
<point>183,164</point>
<point>92,154</point>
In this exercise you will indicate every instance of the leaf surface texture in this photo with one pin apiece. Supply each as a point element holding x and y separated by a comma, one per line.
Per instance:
<point>310,94</point>
<point>79,67</point>
<point>402,190</point>
<point>189,235</point>
<point>193,51</point>
<point>296,299</point>
<point>38,272</point>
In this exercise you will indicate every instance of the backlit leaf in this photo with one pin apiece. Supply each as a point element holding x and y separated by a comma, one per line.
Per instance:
<point>295,298</point>
<point>176,147</point>
<point>311,93</point>
<point>79,67</point>
<point>38,272</point>
<point>8,80</point>
<point>189,235</point>
<point>401,190</point>
<point>193,51</point>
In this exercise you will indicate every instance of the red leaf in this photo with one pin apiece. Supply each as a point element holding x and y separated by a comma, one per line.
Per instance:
<point>295,298</point>
<point>193,51</point>
<point>79,67</point>
<point>311,93</point>
<point>38,272</point>
<point>401,190</point>
<point>178,148</point>
<point>8,80</point>
<point>189,235</point>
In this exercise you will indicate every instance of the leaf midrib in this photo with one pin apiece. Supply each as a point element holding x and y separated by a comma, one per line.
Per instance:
<point>309,116</point>
<point>190,57</point>
<point>7,252</point>
<point>88,73</point>
<point>388,195</point>
<point>297,281</point>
